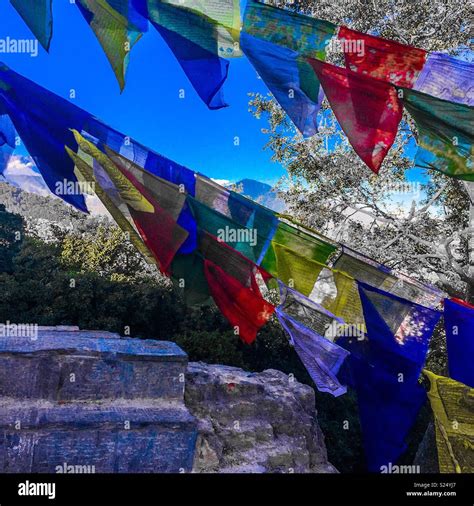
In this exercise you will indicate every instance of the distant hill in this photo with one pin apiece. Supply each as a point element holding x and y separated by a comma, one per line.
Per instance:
<point>261,193</point>
<point>40,212</point>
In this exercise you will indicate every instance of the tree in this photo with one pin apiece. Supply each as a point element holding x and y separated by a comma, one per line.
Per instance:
<point>327,188</point>
<point>11,238</point>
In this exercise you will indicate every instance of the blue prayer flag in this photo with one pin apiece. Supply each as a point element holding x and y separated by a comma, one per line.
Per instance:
<point>459,325</point>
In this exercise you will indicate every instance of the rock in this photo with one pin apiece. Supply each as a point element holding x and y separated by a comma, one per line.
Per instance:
<point>253,422</point>
<point>427,455</point>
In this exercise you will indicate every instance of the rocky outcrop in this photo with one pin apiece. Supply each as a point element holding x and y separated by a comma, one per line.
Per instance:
<point>253,422</point>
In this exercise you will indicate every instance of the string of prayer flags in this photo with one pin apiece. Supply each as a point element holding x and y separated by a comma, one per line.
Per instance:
<point>159,231</point>
<point>114,30</point>
<point>459,326</point>
<point>276,41</point>
<point>381,58</point>
<point>368,110</point>
<point>38,15</point>
<point>445,134</point>
<point>453,408</point>
<point>306,323</point>
<point>447,78</point>
<point>234,287</point>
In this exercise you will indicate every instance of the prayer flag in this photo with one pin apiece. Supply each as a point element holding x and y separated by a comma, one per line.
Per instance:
<point>233,284</point>
<point>244,239</point>
<point>384,368</point>
<point>399,326</point>
<point>187,271</point>
<point>276,42</point>
<point>38,15</point>
<point>447,78</point>
<point>199,42</point>
<point>114,30</point>
<point>445,134</point>
<point>381,58</point>
<point>368,110</point>
<point>389,399</point>
<point>260,221</point>
<point>306,246</point>
<point>365,269</point>
<point>453,408</point>
<point>306,323</point>
<point>459,325</point>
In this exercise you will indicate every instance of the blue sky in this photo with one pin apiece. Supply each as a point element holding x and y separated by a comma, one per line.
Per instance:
<point>149,109</point>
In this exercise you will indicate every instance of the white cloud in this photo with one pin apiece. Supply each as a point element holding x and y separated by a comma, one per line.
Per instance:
<point>20,172</point>
<point>223,182</point>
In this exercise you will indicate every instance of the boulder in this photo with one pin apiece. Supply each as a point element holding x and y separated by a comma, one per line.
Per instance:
<point>253,422</point>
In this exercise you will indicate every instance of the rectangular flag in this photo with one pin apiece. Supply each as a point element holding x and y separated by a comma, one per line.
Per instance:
<point>445,134</point>
<point>459,326</point>
<point>306,323</point>
<point>381,58</point>
<point>453,409</point>
<point>447,78</point>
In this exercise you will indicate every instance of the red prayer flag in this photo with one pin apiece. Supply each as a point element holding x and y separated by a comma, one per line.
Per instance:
<point>243,306</point>
<point>383,59</point>
<point>159,231</point>
<point>367,109</point>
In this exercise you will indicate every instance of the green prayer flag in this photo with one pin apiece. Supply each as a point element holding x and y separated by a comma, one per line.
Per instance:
<point>445,134</point>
